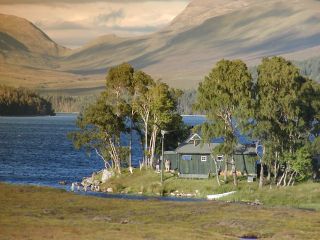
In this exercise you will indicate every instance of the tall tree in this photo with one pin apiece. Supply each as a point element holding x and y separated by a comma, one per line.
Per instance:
<point>225,97</point>
<point>99,130</point>
<point>286,107</point>
<point>163,109</point>
<point>142,105</point>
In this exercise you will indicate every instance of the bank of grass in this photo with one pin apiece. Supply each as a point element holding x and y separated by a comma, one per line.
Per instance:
<point>147,182</point>
<point>28,212</point>
<point>303,195</point>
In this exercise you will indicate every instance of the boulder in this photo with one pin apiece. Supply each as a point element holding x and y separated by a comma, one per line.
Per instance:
<point>63,182</point>
<point>106,174</point>
<point>87,181</point>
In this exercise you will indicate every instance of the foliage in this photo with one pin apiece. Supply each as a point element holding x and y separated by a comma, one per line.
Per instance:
<point>21,101</point>
<point>302,164</point>
<point>99,129</point>
<point>132,101</point>
<point>225,95</point>
<point>286,108</point>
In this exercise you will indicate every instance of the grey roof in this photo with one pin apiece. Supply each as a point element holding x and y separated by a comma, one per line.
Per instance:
<point>189,147</point>
<point>169,152</point>
<point>196,149</point>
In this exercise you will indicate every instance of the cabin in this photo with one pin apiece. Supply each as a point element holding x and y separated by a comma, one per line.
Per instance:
<point>194,159</point>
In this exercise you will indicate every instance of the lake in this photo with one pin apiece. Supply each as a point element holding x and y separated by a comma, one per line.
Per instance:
<point>35,150</point>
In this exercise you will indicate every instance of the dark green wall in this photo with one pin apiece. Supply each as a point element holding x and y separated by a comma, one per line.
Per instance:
<point>244,164</point>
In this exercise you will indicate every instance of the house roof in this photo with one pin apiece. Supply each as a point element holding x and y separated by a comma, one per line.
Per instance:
<point>205,148</point>
<point>192,146</point>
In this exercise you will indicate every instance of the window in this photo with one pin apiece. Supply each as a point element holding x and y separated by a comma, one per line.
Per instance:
<point>203,158</point>
<point>186,157</point>
<point>220,158</point>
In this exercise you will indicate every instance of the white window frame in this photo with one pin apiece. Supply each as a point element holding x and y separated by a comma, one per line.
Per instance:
<point>204,158</point>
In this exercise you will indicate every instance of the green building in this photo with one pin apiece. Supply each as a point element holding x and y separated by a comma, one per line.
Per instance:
<point>194,159</point>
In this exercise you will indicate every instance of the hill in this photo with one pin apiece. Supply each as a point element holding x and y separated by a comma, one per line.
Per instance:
<point>29,58</point>
<point>206,31</point>
<point>181,53</point>
<point>22,102</point>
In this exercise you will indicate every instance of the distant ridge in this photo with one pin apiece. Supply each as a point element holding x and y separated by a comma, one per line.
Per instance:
<point>33,38</point>
<point>180,53</point>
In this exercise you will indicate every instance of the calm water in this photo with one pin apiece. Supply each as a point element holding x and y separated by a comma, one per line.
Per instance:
<point>35,150</point>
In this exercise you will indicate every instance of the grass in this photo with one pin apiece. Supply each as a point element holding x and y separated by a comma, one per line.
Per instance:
<point>304,195</point>
<point>28,212</point>
<point>147,182</point>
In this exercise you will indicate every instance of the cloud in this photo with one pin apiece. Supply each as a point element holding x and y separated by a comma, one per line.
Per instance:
<point>112,16</point>
<point>135,30</point>
<point>80,1</point>
<point>73,23</point>
<point>63,26</point>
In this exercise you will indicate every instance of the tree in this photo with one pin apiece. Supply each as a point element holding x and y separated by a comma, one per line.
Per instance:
<point>162,113</point>
<point>22,101</point>
<point>132,101</point>
<point>285,109</point>
<point>142,104</point>
<point>226,97</point>
<point>99,130</point>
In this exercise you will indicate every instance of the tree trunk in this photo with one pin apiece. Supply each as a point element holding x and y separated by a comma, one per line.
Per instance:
<point>276,169</point>
<point>291,178</point>
<point>130,144</point>
<point>234,171</point>
<point>261,175</point>
<point>153,144</point>
<point>285,178</point>
<point>225,178</point>
<point>146,142</point>
<point>269,172</point>
<point>217,172</point>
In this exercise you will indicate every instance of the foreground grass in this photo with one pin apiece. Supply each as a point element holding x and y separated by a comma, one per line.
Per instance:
<point>303,195</point>
<point>28,212</point>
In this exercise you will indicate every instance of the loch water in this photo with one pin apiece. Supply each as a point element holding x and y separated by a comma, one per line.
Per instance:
<point>36,150</point>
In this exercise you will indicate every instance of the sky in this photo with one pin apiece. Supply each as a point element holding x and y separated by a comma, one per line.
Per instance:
<point>72,23</point>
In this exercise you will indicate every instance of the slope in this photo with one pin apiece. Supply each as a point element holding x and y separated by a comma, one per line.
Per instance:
<point>207,31</point>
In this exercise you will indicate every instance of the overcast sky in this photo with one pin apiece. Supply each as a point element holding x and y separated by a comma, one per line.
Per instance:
<point>72,23</point>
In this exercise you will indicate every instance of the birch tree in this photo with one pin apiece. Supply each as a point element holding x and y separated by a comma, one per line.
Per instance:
<point>99,130</point>
<point>142,104</point>
<point>287,106</point>
<point>225,96</point>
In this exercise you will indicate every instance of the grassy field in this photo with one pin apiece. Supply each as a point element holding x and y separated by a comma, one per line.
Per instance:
<point>147,182</point>
<point>41,213</point>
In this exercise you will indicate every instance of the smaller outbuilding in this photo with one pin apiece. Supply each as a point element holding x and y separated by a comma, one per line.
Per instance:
<point>194,159</point>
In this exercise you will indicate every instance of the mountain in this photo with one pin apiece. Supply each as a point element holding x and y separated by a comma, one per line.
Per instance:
<point>24,44</point>
<point>183,52</point>
<point>206,31</point>
<point>29,58</point>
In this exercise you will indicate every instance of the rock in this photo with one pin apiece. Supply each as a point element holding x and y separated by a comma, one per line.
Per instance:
<point>102,218</point>
<point>124,221</point>
<point>109,190</point>
<point>96,183</point>
<point>87,181</point>
<point>106,174</point>
<point>63,182</point>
